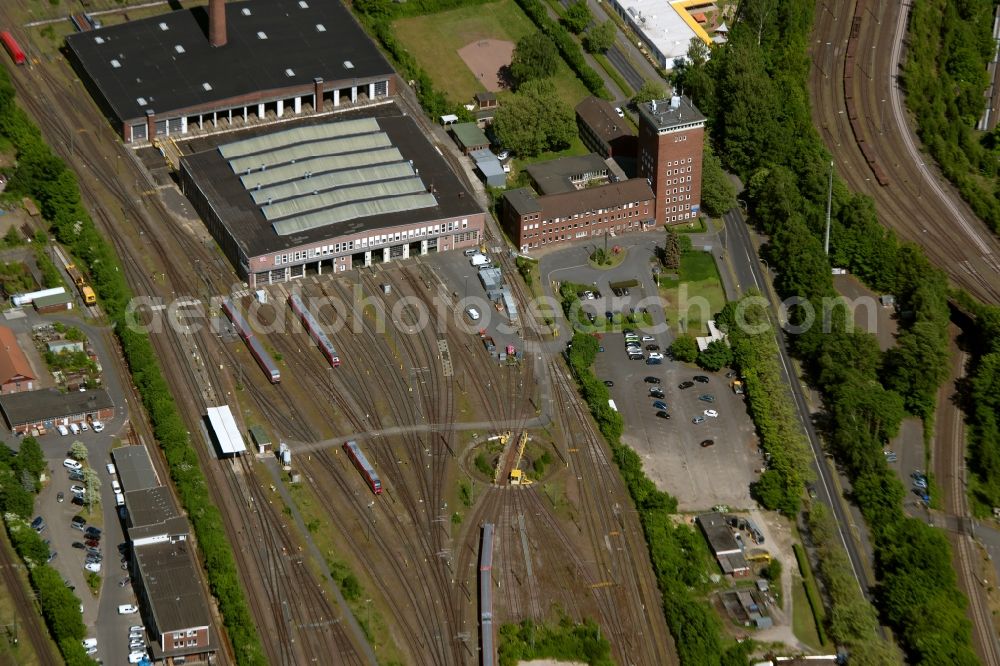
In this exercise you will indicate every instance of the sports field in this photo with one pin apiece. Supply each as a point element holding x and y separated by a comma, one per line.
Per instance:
<point>435,41</point>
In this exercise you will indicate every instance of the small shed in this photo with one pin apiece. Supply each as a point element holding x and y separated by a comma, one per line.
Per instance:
<point>260,438</point>
<point>489,168</point>
<point>53,303</point>
<point>449,119</point>
<point>469,137</point>
<point>491,278</point>
<point>486,100</point>
<point>59,346</point>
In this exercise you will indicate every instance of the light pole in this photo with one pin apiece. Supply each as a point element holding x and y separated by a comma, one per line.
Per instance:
<point>371,518</point>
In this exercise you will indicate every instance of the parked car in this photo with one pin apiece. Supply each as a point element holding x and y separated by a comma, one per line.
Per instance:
<point>655,348</point>
<point>94,530</point>
<point>618,110</point>
<point>89,642</point>
<point>137,627</point>
<point>78,544</point>
<point>69,463</point>
<point>136,657</point>
<point>659,404</point>
<point>93,567</point>
<point>648,338</point>
<point>115,486</point>
<point>473,314</point>
<point>685,385</point>
<point>657,355</point>
<point>77,489</point>
<point>63,430</point>
<point>698,419</point>
<point>920,483</point>
<point>128,609</point>
<point>94,550</point>
<point>60,497</point>
<point>701,379</point>
<point>654,361</point>
<point>706,397</point>
<point>652,380</point>
<point>503,154</point>
<point>38,524</point>
<point>657,392</point>
<point>711,413</point>
<point>662,414</point>
<point>98,427</point>
<point>112,470</point>
<point>608,383</point>
<point>77,500</point>
<point>705,443</point>
<point>124,581</point>
<point>75,475</point>
<point>52,555</point>
<point>78,522</point>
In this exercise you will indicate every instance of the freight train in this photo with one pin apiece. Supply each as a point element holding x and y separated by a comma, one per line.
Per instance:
<point>488,655</point>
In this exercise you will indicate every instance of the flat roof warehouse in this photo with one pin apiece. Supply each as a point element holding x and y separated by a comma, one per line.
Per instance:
<point>167,63</point>
<point>367,171</point>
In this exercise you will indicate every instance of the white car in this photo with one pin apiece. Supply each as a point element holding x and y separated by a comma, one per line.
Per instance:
<point>119,499</point>
<point>711,413</point>
<point>656,355</point>
<point>128,609</point>
<point>473,314</point>
<point>136,645</point>
<point>77,489</point>
<point>93,567</point>
<point>618,110</point>
<point>136,627</point>
<point>98,426</point>
<point>136,657</point>
<point>89,642</point>
<point>63,430</point>
<point>648,338</point>
<point>111,469</point>
<point>115,486</point>
<point>74,428</point>
<point>69,463</point>
<point>84,426</point>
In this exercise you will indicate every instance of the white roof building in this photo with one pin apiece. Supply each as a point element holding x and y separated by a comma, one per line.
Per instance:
<point>227,433</point>
<point>666,27</point>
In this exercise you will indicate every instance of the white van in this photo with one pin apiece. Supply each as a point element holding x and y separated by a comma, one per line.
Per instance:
<point>612,405</point>
<point>74,428</point>
<point>119,499</point>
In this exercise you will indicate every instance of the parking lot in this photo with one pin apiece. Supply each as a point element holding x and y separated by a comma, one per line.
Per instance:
<point>100,614</point>
<point>700,477</point>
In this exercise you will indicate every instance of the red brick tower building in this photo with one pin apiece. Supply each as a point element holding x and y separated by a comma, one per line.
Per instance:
<point>671,134</point>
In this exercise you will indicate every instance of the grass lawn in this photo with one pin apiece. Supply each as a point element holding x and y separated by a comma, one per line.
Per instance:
<point>803,622</point>
<point>696,296</point>
<point>434,40</point>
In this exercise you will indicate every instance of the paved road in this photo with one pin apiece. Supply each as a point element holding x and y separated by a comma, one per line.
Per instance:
<point>624,67</point>
<point>740,245</point>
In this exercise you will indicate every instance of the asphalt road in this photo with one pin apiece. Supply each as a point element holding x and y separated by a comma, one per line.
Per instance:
<point>624,67</point>
<point>750,274</point>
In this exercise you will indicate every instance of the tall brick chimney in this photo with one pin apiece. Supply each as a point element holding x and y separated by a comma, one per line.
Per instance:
<point>217,22</point>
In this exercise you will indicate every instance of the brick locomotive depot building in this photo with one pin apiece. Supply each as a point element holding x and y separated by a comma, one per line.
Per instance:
<point>666,191</point>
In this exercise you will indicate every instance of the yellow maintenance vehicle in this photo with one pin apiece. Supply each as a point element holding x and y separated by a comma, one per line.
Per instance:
<point>86,292</point>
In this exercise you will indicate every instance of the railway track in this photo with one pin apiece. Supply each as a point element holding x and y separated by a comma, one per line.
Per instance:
<point>857,106</point>
<point>29,622</point>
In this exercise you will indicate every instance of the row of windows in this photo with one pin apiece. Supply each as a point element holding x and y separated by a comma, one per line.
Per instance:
<point>618,216</point>
<point>556,234</point>
<point>678,190</point>
<point>466,236</point>
<point>191,643</point>
<point>677,181</point>
<point>679,162</point>
<point>371,241</point>
<point>676,172</point>
<point>189,633</point>
<point>674,209</point>
<point>679,218</point>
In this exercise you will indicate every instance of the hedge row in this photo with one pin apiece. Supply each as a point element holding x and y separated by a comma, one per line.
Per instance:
<point>570,49</point>
<point>755,355</point>
<point>43,176</point>
<point>678,553</point>
<point>812,592</point>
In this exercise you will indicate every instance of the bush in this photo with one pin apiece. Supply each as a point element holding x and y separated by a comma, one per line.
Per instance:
<point>483,465</point>
<point>684,348</point>
<point>717,355</point>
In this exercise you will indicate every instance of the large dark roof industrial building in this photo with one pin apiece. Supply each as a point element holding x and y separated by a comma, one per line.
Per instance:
<point>328,196</point>
<point>232,64</point>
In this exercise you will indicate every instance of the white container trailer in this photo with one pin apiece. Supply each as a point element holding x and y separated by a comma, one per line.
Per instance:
<point>28,298</point>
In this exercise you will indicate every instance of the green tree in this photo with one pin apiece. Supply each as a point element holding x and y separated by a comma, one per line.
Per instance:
<point>30,457</point>
<point>13,237</point>
<point>14,498</point>
<point>692,75</point>
<point>671,250</point>
<point>916,366</point>
<point>92,485</point>
<point>684,348</point>
<point>78,451</point>
<point>773,571</point>
<point>534,120</point>
<point>718,195</point>
<point>649,91</point>
<point>577,17</point>
<point>600,37</point>
<point>535,57</point>
<point>717,355</point>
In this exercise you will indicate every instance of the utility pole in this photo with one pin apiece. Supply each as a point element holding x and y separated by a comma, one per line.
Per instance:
<point>829,204</point>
